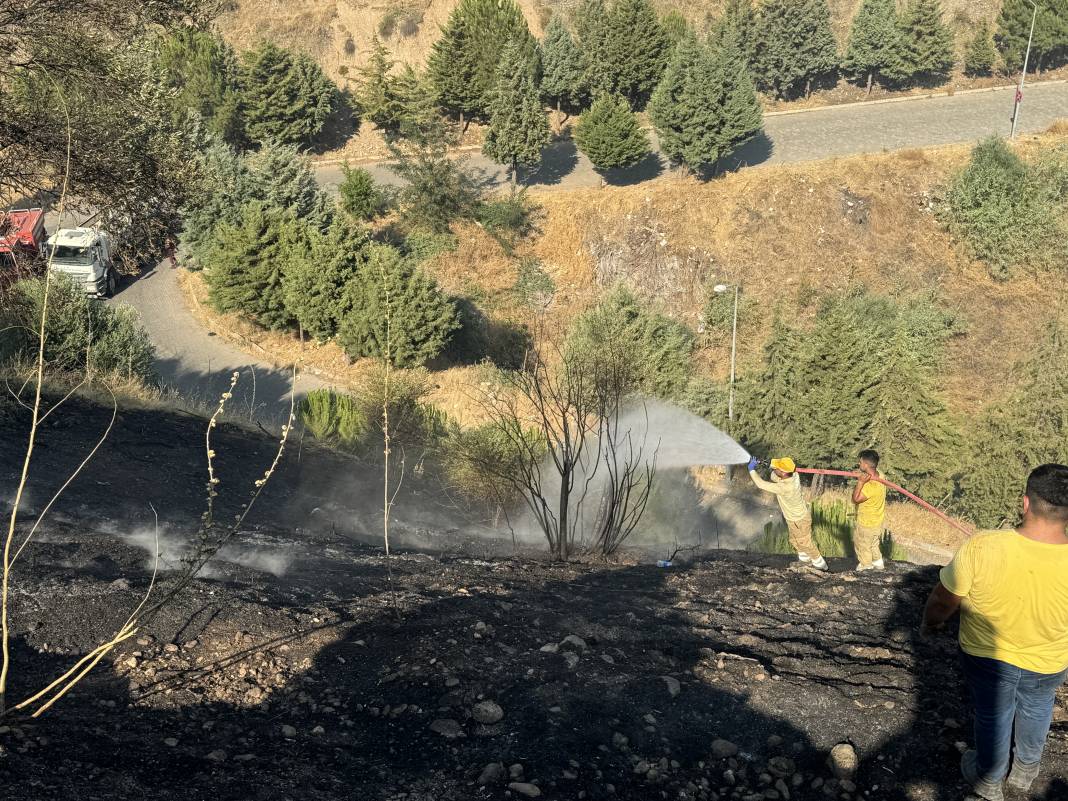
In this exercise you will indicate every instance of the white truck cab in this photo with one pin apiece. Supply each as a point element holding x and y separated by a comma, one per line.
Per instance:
<point>84,254</point>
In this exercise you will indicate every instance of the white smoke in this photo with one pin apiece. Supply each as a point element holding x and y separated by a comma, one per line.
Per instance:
<point>174,550</point>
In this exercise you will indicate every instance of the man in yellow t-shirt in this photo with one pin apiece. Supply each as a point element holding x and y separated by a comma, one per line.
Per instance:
<point>785,485</point>
<point>870,499</point>
<point>1012,591</point>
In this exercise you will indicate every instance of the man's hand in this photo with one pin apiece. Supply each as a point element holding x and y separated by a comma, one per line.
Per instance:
<point>863,478</point>
<point>753,463</point>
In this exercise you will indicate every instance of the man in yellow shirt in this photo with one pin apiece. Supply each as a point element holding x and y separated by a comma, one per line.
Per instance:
<point>1012,591</point>
<point>785,485</point>
<point>870,499</point>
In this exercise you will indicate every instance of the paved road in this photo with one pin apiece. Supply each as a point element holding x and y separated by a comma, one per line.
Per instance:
<point>806,136</point>
<point>197,363</point>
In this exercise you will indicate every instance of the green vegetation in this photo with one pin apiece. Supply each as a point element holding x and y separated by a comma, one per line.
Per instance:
<point>82,336</point>
<point>204,73</point>
<point>561,60</point>
<point>704,107</point>
<point>1010,213</point>
<point>395,312</point>
<point>610,135</point>
<point>981,55</point>
<point>925,44</point>
<point>873,44</point>
<point>533,286</point>
<point>360,196</point>
<point>637,50</point>
<point>796,45</point>
<point>518,128</point>
<point>832,529</point>
<point>1013,28</point>
<point>333,417</point>
<point>285,96</point>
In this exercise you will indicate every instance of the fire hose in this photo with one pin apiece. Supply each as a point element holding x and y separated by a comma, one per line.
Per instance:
<point>891,485</point>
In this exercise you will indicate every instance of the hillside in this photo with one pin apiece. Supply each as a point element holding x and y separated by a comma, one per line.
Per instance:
<point>288,671</point>
<point>338,32</point>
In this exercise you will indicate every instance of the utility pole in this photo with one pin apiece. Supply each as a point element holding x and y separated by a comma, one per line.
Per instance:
<point>1023,73</point>
<point>719,289</point>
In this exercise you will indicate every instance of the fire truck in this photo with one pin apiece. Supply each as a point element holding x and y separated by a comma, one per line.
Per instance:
<point>83,254</point>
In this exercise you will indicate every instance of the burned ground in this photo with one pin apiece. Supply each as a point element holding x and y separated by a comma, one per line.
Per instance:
<point>612,682</point>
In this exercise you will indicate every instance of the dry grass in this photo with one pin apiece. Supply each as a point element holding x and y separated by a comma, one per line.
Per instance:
<point>908,521</point>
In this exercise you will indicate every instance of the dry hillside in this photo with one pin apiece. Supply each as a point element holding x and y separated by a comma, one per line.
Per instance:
<point>338,32</point>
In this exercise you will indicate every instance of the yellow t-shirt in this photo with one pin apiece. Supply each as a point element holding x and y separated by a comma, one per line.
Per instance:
<point>872,511</point>
<point>1015,606</point>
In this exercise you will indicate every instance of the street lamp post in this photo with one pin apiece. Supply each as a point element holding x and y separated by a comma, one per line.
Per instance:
<point>719,289</point>
<point>1023,73</point>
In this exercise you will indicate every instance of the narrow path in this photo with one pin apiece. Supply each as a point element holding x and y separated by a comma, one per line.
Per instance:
<point>197,363</point>
<point>810,135</point>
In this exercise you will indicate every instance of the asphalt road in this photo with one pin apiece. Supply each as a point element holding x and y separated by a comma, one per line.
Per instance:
<point>197,363</point>
<point>801,136</point>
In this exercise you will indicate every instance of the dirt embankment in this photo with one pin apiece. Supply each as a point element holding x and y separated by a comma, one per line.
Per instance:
<point>292,672</point>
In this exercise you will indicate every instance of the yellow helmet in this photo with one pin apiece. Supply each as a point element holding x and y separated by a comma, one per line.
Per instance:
<point>784,463</point>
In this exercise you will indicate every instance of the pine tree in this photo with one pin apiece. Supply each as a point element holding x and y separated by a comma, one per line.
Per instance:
<point>873,41</point>
<point>925,44</point>
<point>518,127</point>
<point>796,45</point>
<point>561,61</point>
<point>769,414</point>
<point>981,54</point>
<point>463,62</point>
<point>282,178</point>
<point>391,303</point>
<point>315,280</point>
<point>223,188</point>
<point>203,71</point>
<point>1050,32</point>
<point>637,50</point>
<point>704,106</point>
<point>739,27</point>
<point>359,195</point>
<point>610,135</point>
<point>591,30</point>
<point>910,425</point>
<point>374,89</point>
<point>286,97</point>
<point>246,262</point>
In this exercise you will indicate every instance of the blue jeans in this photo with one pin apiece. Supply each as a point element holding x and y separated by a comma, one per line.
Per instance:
<point>1003,694</point>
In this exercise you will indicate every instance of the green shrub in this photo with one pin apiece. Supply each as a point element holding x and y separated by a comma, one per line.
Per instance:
<point>1008,213</point>
<point>395,312</point>
<point>533,286</point>
<point>832,529</point>
<point>718,314</point>
<point>657,352</point>
<point>80,333</point>
<point>422,245</point>
<point>333,417</point>
<point>477,462</point>
<point>286,96</point>
<point>508,219</point>
<point>360,195</point>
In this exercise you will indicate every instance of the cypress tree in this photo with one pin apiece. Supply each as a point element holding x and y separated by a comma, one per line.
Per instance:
<point>286,97</point>
<point>637,49</point>
<point>246,262</point>
<point>315,280</point>
<point>591,29</point>
<point>873,41</point>
<point>463,63</point>
<point>561,62</point>
<point>704,106</point>
<point>395,311</point>
<point>925,44</point>
<point>797,45</point>
<point>981,54</point>
<point>518,127</point>
<point>610,135</point>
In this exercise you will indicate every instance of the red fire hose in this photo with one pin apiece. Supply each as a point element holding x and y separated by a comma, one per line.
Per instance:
<point>956,524</point>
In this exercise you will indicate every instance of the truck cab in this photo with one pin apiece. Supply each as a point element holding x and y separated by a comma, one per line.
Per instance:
<point>84,255</point>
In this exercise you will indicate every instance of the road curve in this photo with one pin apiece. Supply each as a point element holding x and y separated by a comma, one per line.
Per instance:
<point>196,363</point>
<point>809,135</point>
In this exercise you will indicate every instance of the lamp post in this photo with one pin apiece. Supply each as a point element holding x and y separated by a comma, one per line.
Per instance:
<point>1023,73</point>
<point>719,289</point>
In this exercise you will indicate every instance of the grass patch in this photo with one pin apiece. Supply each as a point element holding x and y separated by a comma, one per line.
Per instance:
<point>832,529</point>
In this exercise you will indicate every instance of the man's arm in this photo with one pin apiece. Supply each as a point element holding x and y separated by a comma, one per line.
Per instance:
<point>858,492</point>
<point>767,486</point>
<point>941,606</point>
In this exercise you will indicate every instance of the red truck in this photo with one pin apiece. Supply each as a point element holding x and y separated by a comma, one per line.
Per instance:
<point>22,235</point>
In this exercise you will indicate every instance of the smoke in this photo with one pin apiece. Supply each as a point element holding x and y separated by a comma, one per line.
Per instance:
<point>175,549</point>
<point>692,503</point>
